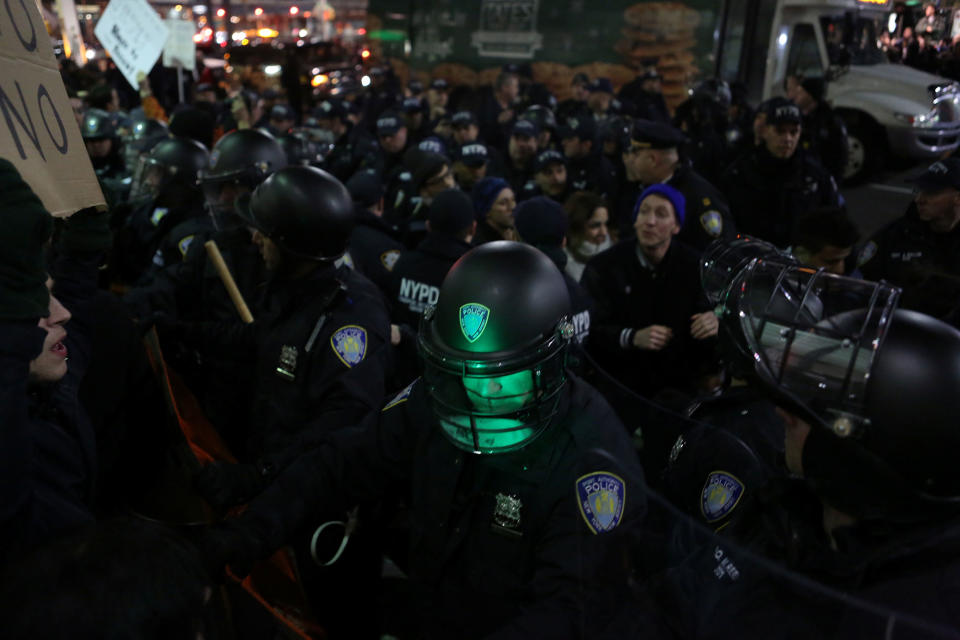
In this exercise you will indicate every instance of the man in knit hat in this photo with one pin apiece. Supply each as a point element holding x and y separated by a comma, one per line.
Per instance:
<point>493,204</point>
<point>652,327</point>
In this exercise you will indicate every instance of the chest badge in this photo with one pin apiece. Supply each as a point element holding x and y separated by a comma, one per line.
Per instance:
<point>506,515</point>
<point>287,366</point>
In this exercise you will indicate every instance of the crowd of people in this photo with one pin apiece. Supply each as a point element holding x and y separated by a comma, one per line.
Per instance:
<point>578,369</point>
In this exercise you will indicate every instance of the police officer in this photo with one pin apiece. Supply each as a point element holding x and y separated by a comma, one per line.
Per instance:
<point>921,250</point>
<point>470,162</point>
<point>418,274</point>
<point>652,328</point>
<point>587,168</point>
<point>550,177</point>
<point>191,291</point>
<point>703,119</point>
<point>352,145</point>
<point>776,182</point>
<point>653,157</point>
<point>882,525</point>
<point>167,195</point>
<point>374,244</point>
<point>103,144</point>
<point>521,152</point>
<point>523,487</point>
<point>824,133</point>
<point>542,223</point>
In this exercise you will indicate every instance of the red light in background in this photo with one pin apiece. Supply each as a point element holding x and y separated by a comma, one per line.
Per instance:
<point>221,13</point>
<point>361,31</point>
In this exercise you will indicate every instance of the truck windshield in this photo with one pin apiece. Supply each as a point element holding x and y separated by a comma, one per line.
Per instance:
<point>851,38</point>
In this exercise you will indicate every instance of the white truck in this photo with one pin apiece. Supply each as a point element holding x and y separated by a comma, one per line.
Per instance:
<point>888,108</point>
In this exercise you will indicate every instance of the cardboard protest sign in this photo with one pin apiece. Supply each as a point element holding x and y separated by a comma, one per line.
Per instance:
<point>180,49</point>
<point>38,131</point>
<point>133,34</point>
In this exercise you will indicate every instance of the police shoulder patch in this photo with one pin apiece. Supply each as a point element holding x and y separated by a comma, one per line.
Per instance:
<point>350,344</point>
<point>401,397</point>
<point>184,245</point>
<point>866,254</point>
<point>720,495</point>
<point>712,223</point>
<point>601,496</point>
<point>389,258</point>
<point>158,214</point>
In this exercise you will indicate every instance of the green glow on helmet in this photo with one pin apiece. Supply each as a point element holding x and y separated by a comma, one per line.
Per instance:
<point>500,394</point>
<point>473,320</point>
<point>493,434</point>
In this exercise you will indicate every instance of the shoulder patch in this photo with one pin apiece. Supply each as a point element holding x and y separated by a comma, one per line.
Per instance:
<point>712,223</point>
<point>350,344</point>
<point>389,258</point>
<point>601,496</point>
<point>720,495</point>
<point>158,214</point>
<point>401,397</point>
<point>706,202</point>
<point>866,254</point>
<point>184,245</point>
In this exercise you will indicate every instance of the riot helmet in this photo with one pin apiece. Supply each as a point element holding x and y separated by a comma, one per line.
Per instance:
<point>300,148</point>
<point>97,125</point>
<point>541,116</point>
<point>174,160</point>
<point>715,91</point>
<point>494,347</point>
<point>875,384</point>
<point>304,210</point>
<point>144,134</point>
<point>238,163</point>
<point>724,258</point>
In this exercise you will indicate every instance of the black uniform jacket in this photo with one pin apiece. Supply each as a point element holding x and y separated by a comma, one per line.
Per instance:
<point>502,546</point>
<point>630,297</point>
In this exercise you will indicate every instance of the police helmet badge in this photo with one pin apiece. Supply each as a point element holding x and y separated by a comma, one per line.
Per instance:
<point>473,320</point>
<point>506,515</point>
<point>158,214</point>
<point>350,344</point>
<point>712,223</point>
<point>389,258</point>
<point>721,493</point>
<point>602,496</point>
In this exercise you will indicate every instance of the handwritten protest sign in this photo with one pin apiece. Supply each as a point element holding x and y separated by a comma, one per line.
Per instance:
<point>180,49</point>
<point>133,34</point>
<point>38,131</point>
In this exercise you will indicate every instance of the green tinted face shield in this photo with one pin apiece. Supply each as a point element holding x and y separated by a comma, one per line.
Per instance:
<point>496,405</point>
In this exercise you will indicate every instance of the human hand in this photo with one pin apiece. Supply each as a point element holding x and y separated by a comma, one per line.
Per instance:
<point>704,325</point>
<point>653,338</point>
<point>395,335</point>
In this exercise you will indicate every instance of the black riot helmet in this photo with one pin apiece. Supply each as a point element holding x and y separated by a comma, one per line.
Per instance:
<point>714,90</point>
<point>300,148</point>
<point>144,134</point>
<point>175,159</point>
<point>541,116</point>
<point>876,384</point>
<point>305,211</point>
<point>238,163</point>
<point>494,347</point>
<point>97,125</point>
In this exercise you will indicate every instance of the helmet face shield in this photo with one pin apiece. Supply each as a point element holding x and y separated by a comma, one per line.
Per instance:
<point>724,258</point>
<point>490,406</point>
<point>149,179</point>
<point>221,196</point>
<point>812,336</point>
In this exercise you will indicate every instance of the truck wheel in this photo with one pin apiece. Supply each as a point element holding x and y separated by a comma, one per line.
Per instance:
<point>866,150</point>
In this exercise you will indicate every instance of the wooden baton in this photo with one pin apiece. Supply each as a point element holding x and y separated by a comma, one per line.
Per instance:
<point>214,252</point>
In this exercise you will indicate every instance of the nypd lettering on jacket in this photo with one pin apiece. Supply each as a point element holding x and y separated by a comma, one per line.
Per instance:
<point>581,326</point>
<point>417,295</point>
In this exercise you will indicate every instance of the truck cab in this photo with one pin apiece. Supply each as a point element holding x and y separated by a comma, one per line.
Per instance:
<point>888,108</point>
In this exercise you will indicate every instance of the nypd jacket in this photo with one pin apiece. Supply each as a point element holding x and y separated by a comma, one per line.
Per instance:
<point>418,274</point>
<point>767,195</point>
<point>707,214</point>
<point>926,264</point>
<point>374,249</point>
<point>519,545</point>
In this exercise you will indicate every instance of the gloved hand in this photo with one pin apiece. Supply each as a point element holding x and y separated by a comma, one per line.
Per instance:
<point>227,485</point>
<point>87,231</point>
<point>27,226</point>
<point>229,543</point>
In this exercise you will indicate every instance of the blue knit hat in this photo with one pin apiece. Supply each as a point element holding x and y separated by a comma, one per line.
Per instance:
<point>485,193</point>
<point>666,191</point>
